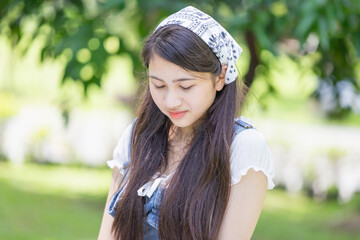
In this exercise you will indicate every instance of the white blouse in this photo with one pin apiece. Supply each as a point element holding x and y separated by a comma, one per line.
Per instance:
<point>248,150</point>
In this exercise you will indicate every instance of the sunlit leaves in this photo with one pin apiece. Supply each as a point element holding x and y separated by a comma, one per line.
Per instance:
<point>86,33</point>
<point>112,44</point>
<point>93,43</point>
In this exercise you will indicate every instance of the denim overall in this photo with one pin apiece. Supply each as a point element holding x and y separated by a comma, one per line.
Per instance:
<point>152,204</point>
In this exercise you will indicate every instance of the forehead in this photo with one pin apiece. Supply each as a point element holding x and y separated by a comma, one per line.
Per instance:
<point>166,70</point>
<point>159,65</point>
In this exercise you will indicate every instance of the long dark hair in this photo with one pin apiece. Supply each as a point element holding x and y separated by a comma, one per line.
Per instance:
<point>196,198</point>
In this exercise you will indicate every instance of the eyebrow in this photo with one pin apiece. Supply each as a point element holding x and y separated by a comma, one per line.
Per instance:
<point>175,80</point>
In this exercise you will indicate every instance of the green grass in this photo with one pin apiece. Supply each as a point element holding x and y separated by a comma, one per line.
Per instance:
<point>57,202</point>
<point>295,217</point>
<point>49,202</point>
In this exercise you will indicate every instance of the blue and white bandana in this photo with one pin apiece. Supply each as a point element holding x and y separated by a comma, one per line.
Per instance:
<point>214,35</point>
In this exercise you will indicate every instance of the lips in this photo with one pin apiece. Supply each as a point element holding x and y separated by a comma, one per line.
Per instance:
<point>177,115</point>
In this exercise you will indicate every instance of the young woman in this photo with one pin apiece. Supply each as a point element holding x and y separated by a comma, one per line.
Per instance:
<point>186,168</point>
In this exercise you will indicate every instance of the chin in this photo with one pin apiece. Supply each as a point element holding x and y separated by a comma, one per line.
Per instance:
<point>180,123</point>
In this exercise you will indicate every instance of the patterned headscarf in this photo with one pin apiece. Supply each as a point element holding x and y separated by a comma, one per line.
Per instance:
<point>212,33</point>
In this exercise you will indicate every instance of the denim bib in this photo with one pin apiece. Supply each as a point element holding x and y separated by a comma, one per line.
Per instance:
<point>152,204</point>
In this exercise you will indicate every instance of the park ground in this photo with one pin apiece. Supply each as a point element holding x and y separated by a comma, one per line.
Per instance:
<point>67,202</point>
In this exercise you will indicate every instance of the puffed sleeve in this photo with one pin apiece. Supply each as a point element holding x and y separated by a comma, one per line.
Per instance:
<point>121,151</point>
<point>249,149</point>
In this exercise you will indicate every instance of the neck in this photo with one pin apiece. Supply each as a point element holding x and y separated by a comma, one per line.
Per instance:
<point>178,134</point>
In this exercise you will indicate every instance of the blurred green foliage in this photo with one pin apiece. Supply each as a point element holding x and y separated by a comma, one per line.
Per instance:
<point>87,33</point>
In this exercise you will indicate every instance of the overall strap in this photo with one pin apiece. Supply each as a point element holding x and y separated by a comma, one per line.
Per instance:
<point>240,126</point>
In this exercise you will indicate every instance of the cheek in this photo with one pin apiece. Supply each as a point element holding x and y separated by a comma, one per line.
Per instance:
<point>204,99</point>
<point>210,99</point>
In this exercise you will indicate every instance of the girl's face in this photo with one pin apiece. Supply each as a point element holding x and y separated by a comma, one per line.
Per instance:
<point>182,95</point>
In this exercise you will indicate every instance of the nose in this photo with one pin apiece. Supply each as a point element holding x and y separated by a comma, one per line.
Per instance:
<point>172,100</point>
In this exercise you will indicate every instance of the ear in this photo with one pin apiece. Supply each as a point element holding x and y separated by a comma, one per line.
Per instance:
<point>220,80</point>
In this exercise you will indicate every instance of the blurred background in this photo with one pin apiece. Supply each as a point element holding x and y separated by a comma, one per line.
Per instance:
<point>69,78</point>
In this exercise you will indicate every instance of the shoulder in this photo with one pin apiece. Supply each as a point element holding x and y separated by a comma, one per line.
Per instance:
<point>246,135</point>
<point>250,150</point>
<point>124,139</point>
<point>122,149</point>
<point>249,138</point>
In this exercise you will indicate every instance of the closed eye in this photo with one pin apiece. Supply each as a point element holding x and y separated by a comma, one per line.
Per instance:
<point>186,88</point>
<point>159,86</point>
